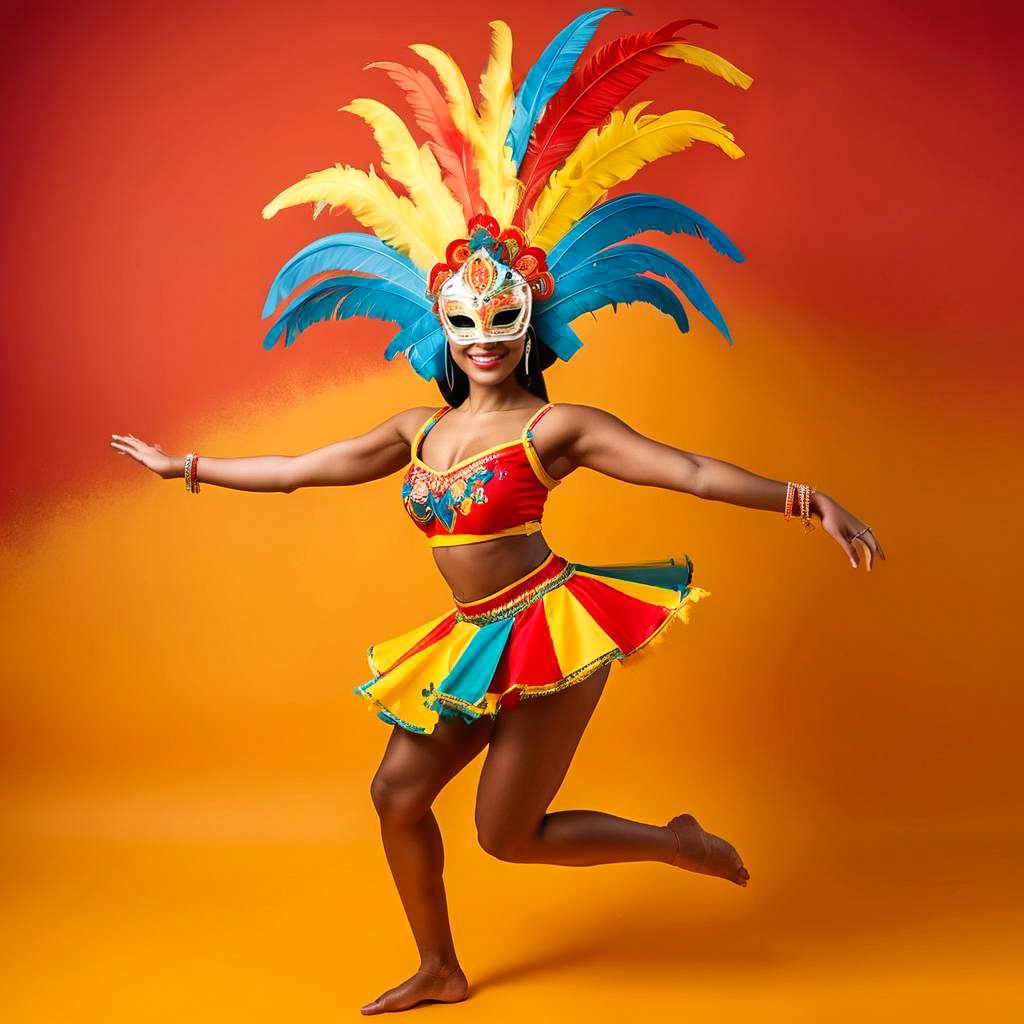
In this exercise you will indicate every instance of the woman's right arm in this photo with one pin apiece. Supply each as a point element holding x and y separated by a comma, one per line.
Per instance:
<point>377,453</point>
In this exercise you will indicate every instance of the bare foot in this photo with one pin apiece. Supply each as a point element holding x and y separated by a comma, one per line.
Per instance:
<point>707,854</point>
<point>450,987</point>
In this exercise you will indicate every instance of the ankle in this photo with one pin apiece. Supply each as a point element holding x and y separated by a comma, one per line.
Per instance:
<point>440,967</point>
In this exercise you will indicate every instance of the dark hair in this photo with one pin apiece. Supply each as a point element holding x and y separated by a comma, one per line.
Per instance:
<point>541,357</point>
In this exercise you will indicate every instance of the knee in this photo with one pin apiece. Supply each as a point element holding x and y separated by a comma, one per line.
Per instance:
<point>398,801</point>
<point>504,841</point>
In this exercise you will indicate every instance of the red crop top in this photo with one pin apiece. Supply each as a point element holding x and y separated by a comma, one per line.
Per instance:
<point>495,493</point>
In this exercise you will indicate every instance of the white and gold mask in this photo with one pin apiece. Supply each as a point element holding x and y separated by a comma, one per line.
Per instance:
<point>485,300</point>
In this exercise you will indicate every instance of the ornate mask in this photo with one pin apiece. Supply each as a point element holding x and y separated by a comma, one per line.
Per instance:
<point>485,301</point>
<point>485,289</point>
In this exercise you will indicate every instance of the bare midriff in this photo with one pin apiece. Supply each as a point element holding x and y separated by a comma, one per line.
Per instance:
<point>474,571</point>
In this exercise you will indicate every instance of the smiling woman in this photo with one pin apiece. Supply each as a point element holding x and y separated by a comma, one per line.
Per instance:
<point>506,240</point>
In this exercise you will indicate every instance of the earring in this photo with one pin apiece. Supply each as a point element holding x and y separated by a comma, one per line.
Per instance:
<point>448,367</point>
<point>529,339</point>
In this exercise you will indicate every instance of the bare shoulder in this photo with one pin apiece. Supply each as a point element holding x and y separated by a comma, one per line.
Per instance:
<point>408,421</point>
<point>568,421</point>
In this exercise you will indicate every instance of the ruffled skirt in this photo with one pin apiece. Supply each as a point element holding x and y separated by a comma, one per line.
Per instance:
<point>546,631</point>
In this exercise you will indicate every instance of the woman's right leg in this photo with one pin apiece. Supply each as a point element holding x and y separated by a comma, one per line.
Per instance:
<point>414,769</point>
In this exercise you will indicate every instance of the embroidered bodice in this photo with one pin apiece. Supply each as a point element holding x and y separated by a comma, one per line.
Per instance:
<point>495,493</point>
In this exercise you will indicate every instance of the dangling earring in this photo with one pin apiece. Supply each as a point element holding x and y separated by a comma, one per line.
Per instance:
<point>448,367</point>
<point>529,339</point>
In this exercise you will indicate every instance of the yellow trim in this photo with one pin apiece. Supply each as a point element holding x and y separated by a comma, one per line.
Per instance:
<point>417,440</point>
<point>451,540</point>
<point>521,439</point>
<point>505,590</point>
<point>541,473</point>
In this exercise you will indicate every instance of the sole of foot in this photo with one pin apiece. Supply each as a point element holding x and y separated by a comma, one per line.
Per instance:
<point>705,853</point>
<point>422,987</point>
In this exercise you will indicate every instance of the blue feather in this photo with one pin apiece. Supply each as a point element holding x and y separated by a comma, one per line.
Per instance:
<point>586,298</point>
<point>620,260</point>
<point>560,338</point>
<point>427,356</point>
<point>352,251</point>
<point>342,297</point>
<point>549,74</point>
<point>408,336</point>
<point>628,215</point>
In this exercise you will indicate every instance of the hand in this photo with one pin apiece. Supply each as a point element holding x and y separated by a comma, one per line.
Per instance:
<point>152,456</point>
<point>842,525</point>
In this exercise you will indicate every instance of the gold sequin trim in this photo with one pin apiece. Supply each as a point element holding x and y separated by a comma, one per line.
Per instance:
<point>513,607</point>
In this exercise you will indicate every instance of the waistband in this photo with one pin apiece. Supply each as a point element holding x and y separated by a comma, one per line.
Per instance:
<point>520,594</point>
<point>448,540</point>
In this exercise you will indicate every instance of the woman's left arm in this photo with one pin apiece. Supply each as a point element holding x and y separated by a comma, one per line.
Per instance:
<point>583,436</point>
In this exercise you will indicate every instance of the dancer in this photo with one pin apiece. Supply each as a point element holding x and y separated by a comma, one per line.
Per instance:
<point>503,239</point>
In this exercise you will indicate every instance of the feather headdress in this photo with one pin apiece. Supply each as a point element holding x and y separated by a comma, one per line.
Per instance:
<point>524,173</point>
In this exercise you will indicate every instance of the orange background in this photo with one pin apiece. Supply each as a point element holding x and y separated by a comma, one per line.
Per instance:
<point>188,833</point>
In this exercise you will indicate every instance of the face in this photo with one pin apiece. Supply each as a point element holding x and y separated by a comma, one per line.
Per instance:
<point>488,362</point>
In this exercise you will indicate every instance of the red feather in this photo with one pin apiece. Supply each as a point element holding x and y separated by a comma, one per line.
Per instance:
<point>591,93</point>
<point>451,148</point>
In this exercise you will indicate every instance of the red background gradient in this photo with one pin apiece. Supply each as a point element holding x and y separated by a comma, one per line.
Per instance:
<point>188,833</point>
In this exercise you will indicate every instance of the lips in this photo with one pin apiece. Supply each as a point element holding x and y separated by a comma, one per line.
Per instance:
<point>488,359</point>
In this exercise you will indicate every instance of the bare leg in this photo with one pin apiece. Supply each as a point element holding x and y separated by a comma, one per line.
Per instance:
<point>414,769</point>
<point>530,751</point>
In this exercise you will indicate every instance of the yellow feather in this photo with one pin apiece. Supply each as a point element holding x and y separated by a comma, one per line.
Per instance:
<point>708,61</point>
<point>612,154</point>
<point>457,92</point>
<point>412,167</point>
<point>500,187</point>
<point>393,219</point>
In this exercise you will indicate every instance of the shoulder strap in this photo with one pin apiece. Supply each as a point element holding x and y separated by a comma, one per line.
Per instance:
<point>422,432</point>
<point>533,420</point>
<point>533,458</point>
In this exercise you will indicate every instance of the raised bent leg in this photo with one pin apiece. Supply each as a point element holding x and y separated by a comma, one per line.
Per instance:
<point>414,769</point>
<point>530,751</point>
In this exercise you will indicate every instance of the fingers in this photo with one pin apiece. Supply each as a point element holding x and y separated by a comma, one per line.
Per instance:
<point>870,551</point>
<point>851,551</point>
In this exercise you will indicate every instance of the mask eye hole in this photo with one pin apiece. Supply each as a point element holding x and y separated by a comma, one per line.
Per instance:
<point>507,317</point>
<point>458,320</point>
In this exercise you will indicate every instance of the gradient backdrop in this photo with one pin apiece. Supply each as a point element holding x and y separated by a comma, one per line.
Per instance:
<point>188,833</point>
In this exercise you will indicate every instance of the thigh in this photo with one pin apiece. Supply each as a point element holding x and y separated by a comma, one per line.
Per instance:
<point>531,748</point>
<point>417,766</point>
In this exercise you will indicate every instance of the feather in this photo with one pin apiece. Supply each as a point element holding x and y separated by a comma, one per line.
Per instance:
<point>460,103</point>
<point>549,74</point>
<point>353,251</point>
<point>622,260</point>
<point>561,339</point>
<point>618,219</point>
<point>493,168</point>
<point>450,147</point>
<point>343,297</point>
<point>409,336</point>
<point>588,97</point>
<point>615,153</point>
<point>709,62</point>
<point>410,165</point>
<point>393,219</point>
<point>499,186</point>
<point>586,298</point>
<point>427,356</point>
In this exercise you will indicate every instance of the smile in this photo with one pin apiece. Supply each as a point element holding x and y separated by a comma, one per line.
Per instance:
<point>490,359</point>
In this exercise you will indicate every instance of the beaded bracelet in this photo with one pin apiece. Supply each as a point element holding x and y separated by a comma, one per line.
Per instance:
<point>191,472</point>
<point>803,493</point>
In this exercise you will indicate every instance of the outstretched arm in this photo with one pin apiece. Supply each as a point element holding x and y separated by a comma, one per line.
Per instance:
<point>377,453</point>
<point>582,436</point>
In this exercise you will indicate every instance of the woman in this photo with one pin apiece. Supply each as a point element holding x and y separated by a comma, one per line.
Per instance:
<point>526,623</point>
